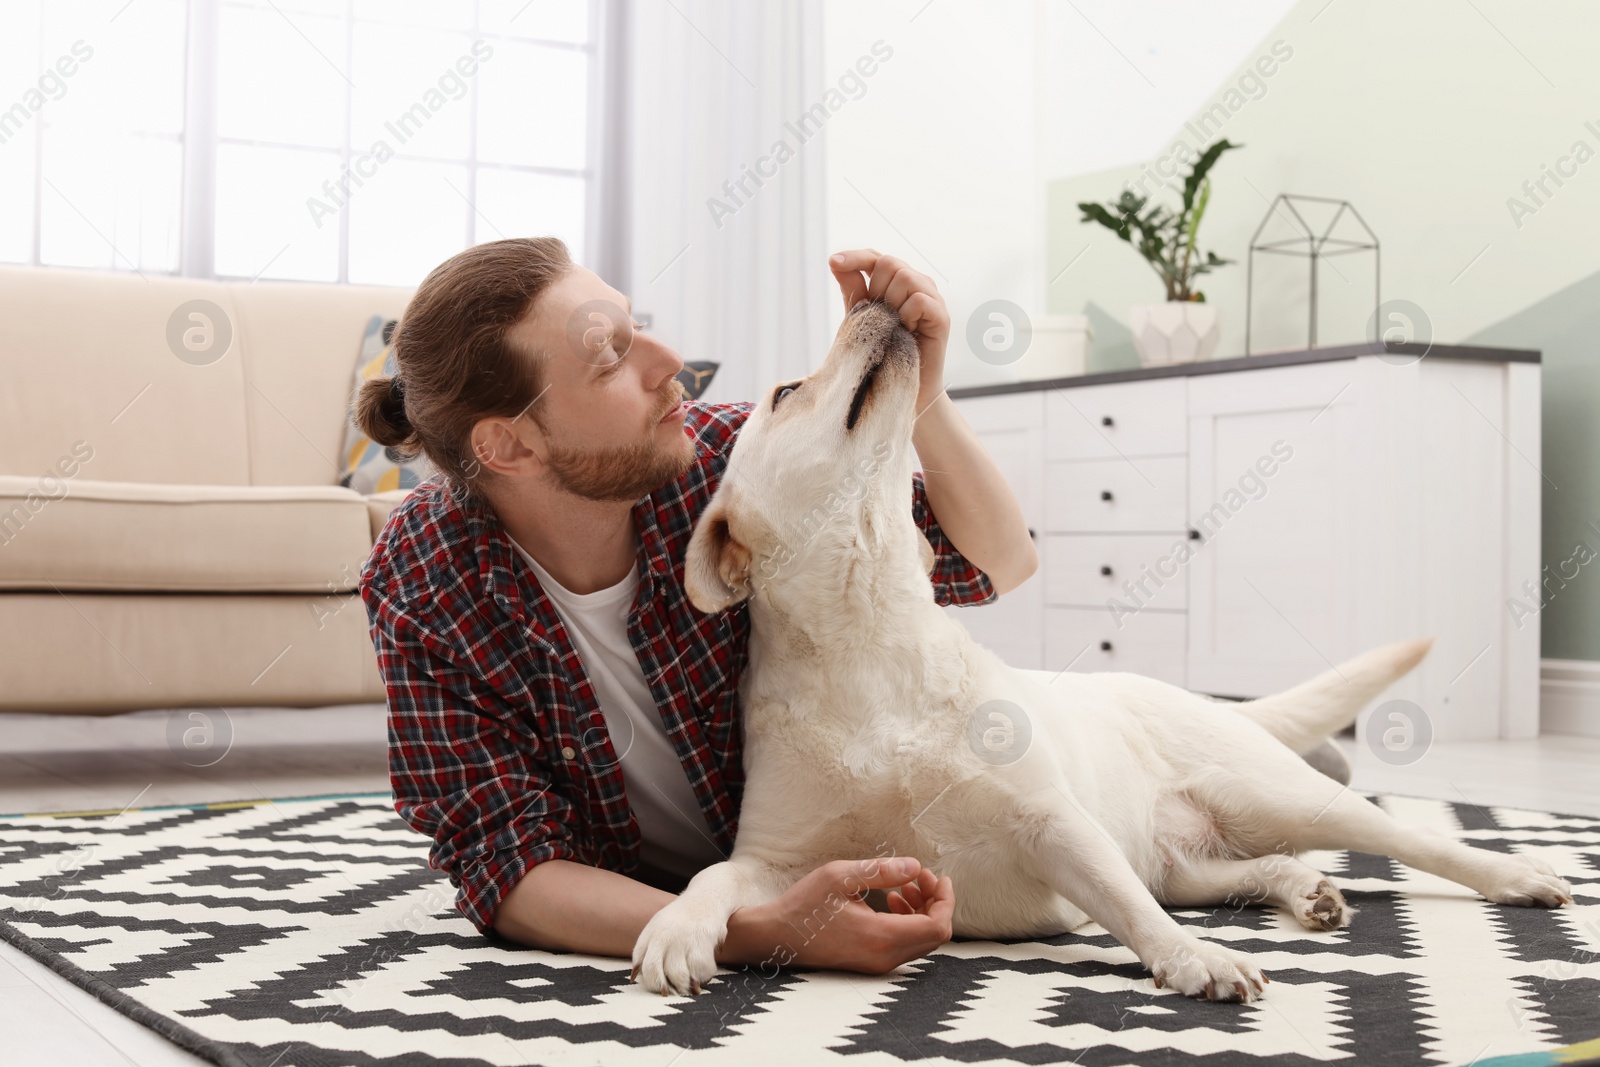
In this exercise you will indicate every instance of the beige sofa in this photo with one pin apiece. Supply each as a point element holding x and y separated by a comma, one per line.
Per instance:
<point>172,530</point>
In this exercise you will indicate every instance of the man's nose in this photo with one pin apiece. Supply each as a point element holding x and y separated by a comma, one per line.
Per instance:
<point>662,353</point>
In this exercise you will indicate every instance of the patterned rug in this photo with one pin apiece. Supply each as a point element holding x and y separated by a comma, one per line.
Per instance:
<point>312,932</point>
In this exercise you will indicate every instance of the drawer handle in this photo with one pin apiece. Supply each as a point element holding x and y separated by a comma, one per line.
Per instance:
<point>1105,646</point>
<point>1105,420</point>
<point>1105,494</point>
<point>1032,535</point>
<point>1105,570</point>
<point>1194,535</point>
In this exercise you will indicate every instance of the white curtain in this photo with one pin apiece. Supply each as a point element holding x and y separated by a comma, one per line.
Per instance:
<point>730,268</point>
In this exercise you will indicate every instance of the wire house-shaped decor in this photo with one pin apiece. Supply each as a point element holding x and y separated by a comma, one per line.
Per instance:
<point>1339,236</point>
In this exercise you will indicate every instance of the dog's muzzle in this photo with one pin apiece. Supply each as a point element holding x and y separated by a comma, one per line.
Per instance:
<point>859,401</point>
<point>893,343</point>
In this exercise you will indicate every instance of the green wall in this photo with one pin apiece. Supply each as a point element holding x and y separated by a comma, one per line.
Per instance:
<point>1566,328</point>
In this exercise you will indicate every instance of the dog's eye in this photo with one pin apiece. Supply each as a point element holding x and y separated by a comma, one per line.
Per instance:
<point>781,392</point>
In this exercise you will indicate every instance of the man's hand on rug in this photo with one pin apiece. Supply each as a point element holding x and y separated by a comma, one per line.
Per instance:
<point>851,935</point>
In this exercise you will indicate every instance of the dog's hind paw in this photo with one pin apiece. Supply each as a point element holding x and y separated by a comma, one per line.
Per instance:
<point>676,951</point>
<point>1323,907</point>
<point>1198,969</point>
<point>1530,883</point>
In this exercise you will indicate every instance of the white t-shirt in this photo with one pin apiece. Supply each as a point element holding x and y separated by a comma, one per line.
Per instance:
<point>676,837</point>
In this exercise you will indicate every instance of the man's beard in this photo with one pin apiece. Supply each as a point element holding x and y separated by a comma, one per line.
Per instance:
<point>622,472</point>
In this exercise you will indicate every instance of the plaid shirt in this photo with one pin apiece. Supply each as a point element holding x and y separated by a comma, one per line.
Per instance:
<point>497,746</point>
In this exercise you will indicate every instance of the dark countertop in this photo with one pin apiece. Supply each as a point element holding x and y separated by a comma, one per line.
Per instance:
<point>1270,359</point>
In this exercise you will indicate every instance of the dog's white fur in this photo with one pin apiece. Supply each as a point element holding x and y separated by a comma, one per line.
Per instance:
<point>866,706</point>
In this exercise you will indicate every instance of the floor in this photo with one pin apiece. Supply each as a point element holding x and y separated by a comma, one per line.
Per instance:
<point>56,763</point>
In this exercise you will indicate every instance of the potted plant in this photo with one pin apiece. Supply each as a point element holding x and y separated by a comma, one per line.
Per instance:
<point>1185,327</point>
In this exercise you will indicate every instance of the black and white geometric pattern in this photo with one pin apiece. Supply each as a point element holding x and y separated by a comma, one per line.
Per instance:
<point>301,932</point>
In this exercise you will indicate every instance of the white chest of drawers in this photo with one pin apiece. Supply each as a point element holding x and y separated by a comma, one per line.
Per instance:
<point>1239,526</point>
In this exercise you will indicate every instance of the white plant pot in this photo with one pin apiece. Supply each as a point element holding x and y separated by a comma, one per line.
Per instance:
<point>1177,331</point>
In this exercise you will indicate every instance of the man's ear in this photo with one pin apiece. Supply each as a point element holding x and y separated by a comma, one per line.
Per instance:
<point>716,567</point>
<point>927,551</point>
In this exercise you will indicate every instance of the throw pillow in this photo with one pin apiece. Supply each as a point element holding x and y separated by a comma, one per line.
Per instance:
<point>695,376</point>
<point>370,467</point>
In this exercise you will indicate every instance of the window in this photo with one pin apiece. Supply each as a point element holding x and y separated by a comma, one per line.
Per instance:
<point>356,141</point>
<point>91,133</point>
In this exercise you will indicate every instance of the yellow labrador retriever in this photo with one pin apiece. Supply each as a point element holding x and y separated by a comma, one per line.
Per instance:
<point>869,712</point>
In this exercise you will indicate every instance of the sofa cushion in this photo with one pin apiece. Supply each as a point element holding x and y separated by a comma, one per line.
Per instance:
<point>77,533</point>
<point>91,360</point>
<point>298,348</point>
<point>368,466</point>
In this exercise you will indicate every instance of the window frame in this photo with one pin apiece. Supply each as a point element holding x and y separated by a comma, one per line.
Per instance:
<point>199,143</point>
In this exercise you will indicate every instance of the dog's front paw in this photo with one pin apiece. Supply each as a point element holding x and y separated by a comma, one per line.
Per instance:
<point>1528,882</point>
<point>676,950</point>
<point>1197,968</point>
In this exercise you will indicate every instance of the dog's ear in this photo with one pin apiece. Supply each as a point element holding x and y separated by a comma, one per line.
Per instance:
<point>716,567</point>
<point>927,551</point>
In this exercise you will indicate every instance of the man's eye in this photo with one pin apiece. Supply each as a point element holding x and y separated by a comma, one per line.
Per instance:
<point>783,391</point>
<point>610,347</point>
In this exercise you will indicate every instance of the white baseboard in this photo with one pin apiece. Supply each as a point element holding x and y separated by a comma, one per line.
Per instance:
<point>1569,697</point>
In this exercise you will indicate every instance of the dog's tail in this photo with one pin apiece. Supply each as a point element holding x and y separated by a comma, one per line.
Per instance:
<point>1303,717</point>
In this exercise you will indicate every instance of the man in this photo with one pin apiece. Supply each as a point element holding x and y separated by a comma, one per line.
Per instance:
<point>562,722</point>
